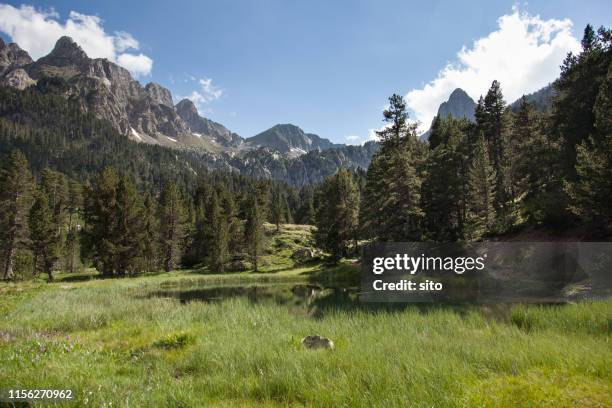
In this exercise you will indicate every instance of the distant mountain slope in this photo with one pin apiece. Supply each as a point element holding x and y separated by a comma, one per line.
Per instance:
<point>290,139</point>
<point>309,168</point>
<point>54,132</point>
<point>540,99</point>
<point>459,105</point>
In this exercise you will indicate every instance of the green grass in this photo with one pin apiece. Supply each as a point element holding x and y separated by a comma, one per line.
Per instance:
<point>112,345</point>
<point>116,345</point>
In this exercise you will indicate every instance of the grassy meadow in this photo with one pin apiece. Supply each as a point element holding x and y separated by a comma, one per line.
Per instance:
<point>117,343</point>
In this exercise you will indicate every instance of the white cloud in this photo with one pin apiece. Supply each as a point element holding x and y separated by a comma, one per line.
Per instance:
<point>523,54</point>
<point>352,138</point>
<point>36,31</point>
<point>137,64</point>
<point>206,93</point>
<point>209,91</point>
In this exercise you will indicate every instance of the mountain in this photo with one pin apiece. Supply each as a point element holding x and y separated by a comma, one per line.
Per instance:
<point>540,99</point>
<point>144,114</point>
<point>310,168</point>
<point>100,89</point>
<point>289,139</point>
<point>202,127</point>
<point>459,105</point>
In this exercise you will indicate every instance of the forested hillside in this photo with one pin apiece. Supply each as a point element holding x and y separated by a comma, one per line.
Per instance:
<point>507,172</point>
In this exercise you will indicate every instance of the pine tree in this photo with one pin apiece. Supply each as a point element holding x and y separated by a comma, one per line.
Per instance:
<point>591,192</point>
<point>254,232</point>
<point>481,193</point>
<point>15,202</point>
<point>573,118</point>
<point>72,246</point>
<point>277,210</point>
<point>44,236</point>
<point>129,235</point>
<point>392,195</point>
<point>55,186</point>
<point>444,186</point>
<point>172,218</point>
<point>337,216</point>
<point>100,217</point>
<point>219,239</point>
<point>493,123</point>
<point>150,250</point>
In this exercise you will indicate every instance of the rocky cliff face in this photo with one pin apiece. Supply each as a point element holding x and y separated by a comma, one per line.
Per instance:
<point>12,57</point>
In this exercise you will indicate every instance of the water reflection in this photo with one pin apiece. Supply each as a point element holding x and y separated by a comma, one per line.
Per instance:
<point>306,298</point>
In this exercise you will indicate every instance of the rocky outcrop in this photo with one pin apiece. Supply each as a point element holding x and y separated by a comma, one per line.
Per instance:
<point>18,78</point>
<point>202,127</point>
<point>159,94</point>
<point>12,57</point>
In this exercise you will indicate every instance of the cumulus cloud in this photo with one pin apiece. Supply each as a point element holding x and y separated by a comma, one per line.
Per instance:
<point>524,54</point>
<point>206,92</point>
<point>352,138</point>
<point>36,31</point>
<point>137,64</point>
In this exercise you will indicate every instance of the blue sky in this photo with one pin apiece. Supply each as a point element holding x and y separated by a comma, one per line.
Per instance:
<point>326,66</point>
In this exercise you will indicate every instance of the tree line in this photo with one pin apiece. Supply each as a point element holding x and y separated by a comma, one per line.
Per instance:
<point>50,222</point>
<point>506,171</point>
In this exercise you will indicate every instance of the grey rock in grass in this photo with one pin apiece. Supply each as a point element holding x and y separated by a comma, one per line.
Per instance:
<point>317,342</point>
<point>303,255</point>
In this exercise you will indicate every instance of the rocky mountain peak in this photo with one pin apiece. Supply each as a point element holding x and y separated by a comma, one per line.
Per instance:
<point>186,108</point>
<point>459,104</point>
<point>12,56</point>
<point>159,94</point>
<point>66,48</point>
<point>289,138</point>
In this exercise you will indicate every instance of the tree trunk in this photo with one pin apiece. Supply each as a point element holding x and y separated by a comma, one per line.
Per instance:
<point>8,265</point>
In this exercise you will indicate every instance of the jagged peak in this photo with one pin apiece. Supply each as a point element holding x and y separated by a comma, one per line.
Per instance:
<point>459,93</point>
<point>186,104</point>
<point>66,47</point>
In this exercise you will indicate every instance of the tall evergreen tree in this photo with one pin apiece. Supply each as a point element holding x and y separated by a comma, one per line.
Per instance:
<point>337,216</point>
<point>15,202</point>
<point>392,195</point>
<point>277,209</point>
<point>591,192</point>
<point>44,236</point>
<point>74,208</point>
<point>577,89</point>
<point>493,123</point>
<point>445,183</point>
<point>481,193</point>
<point>150,251</point>
<point>254,232</point>
<point>129,236</point>
<point>219,238</point>
<point>172,218</point>
<point>100,210</point>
